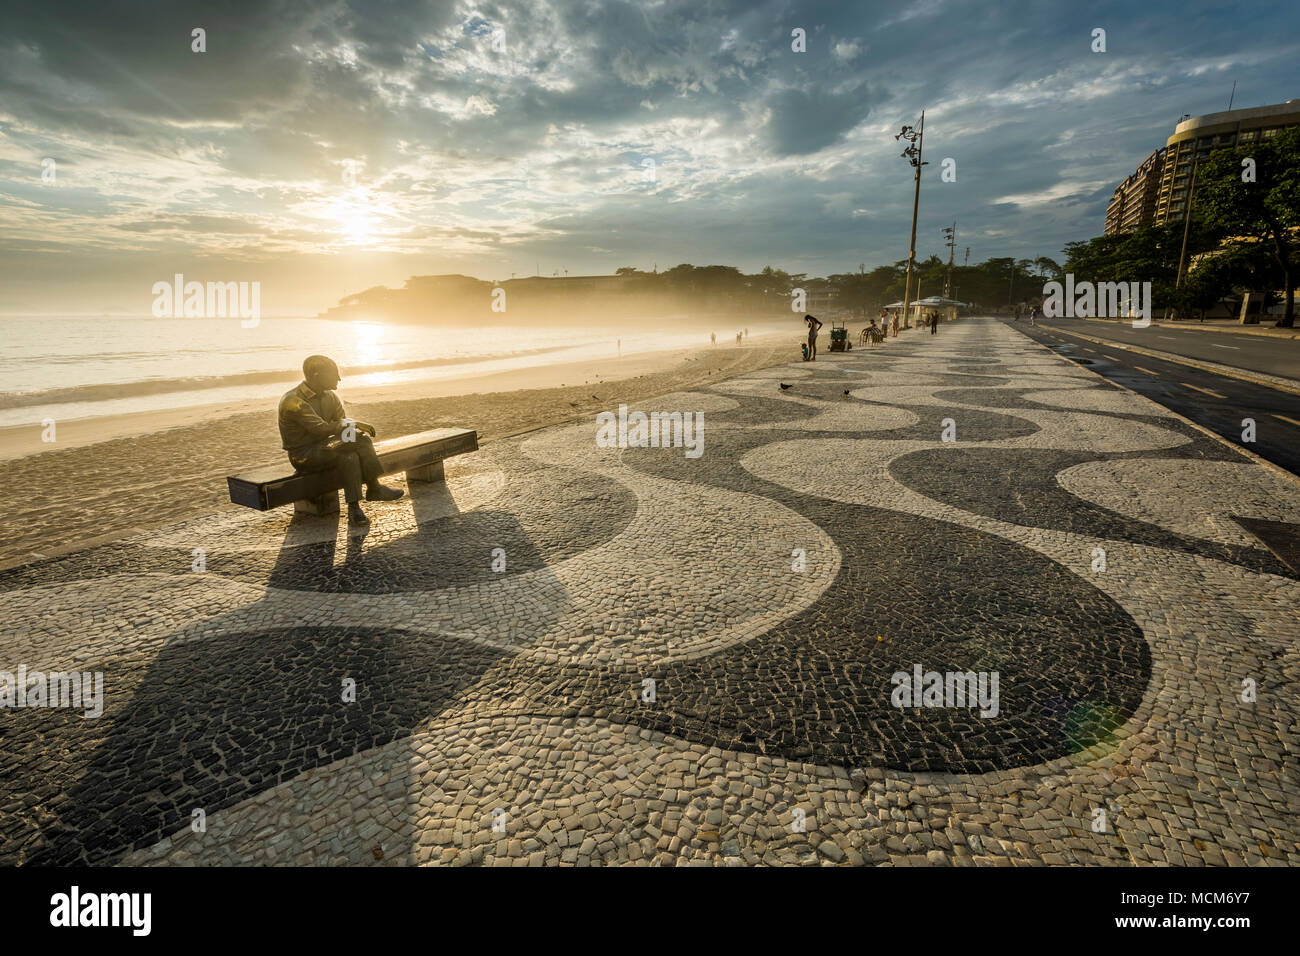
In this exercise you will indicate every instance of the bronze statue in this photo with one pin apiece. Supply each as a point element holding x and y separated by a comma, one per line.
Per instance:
<point>317,434</point>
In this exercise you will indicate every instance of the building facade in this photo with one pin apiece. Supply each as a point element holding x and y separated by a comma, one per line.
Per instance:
<point>1157,192</point>
<point>1134,201</point>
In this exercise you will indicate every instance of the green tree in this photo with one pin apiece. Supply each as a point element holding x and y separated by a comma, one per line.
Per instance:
<point>1049,268</point>
<point>1253,192</point>
<point>1146,255</point>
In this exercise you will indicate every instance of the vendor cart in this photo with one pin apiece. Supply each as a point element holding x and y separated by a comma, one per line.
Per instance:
<point>840,337</point>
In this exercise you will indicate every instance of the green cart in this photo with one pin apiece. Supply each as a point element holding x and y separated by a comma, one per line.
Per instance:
<point>840,337</point>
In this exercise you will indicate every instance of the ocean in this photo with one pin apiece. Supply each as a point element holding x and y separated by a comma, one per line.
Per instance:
<point>71,367</point>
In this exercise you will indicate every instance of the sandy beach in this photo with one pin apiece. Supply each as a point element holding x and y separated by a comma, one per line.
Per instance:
<point>105,477</point>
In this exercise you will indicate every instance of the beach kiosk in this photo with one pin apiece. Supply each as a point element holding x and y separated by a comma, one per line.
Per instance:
<point>947,309</point>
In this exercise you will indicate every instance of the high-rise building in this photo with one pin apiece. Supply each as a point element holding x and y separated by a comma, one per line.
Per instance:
<point>1157,191</point>
<point>1199,135</point>
<point>1134,201</point>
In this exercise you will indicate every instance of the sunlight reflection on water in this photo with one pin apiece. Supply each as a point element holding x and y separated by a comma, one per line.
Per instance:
<point>103,365</point>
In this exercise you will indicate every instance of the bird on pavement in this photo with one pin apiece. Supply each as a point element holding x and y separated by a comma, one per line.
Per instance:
<point>784,386</point>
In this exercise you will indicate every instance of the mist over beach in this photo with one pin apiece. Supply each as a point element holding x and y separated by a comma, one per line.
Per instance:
<point>110,365</point>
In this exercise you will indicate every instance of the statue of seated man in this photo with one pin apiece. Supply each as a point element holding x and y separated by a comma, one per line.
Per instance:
<point>317,434</point>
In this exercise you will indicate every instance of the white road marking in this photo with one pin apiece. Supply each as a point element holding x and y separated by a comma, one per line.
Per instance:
<point>1233,347</point>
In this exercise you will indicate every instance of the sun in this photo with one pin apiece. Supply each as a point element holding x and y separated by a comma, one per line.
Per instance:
<point>358,225</point>
<point>352,219</point>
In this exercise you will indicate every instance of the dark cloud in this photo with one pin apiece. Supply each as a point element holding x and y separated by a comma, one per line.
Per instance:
<point>763,155</point>
<point>807,121</point>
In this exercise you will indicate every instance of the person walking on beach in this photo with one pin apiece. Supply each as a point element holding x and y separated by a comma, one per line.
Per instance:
<point>813,325</point>
<point>713,338</point>
<point>317,434</point>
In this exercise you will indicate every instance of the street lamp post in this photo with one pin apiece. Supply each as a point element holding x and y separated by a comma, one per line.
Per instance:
<point>915,143</point>
<point>1187,224</point>
<point>950,236</point>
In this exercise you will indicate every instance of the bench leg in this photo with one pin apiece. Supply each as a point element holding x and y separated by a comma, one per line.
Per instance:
<point>327,504</point>
<point>432,472</point>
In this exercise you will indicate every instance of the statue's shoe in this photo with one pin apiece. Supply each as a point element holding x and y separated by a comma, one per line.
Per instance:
<point>378,492</point>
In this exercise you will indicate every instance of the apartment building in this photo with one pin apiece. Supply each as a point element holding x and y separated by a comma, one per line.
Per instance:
<point>1157,191</point>
<point>1134,201</point>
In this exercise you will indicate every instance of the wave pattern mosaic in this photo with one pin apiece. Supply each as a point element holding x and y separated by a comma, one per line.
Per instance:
<point>641,654</point>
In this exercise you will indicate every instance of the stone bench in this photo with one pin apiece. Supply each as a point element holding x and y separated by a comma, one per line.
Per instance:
<point>420,455</point>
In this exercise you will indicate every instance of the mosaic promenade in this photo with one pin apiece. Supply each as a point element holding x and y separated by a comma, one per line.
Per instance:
<point>589,655</point>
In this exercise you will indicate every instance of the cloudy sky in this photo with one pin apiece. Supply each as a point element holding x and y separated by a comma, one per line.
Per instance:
<point>324,147</point>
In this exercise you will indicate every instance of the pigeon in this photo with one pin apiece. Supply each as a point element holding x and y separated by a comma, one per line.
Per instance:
<point>784,386</point>
<point>846,391</point>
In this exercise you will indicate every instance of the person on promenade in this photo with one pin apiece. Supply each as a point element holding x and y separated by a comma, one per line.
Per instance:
<point>1033,315</point>
<point>934,322</point>
<point>316,433</point>
<point>894,324</point>
<point>813,325</point>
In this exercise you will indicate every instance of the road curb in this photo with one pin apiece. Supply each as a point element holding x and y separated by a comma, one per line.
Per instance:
<point>1182,418</point>
<point>1269,381</point>
<point>1285,334</point>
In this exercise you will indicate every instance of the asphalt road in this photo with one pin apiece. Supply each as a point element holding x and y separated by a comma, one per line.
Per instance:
<point>1217,402</point>
<point>1255,353</point>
